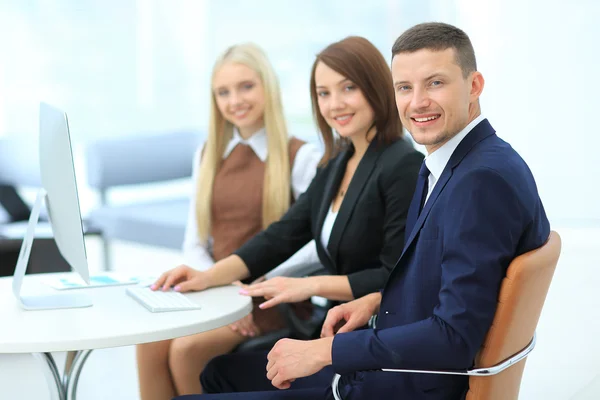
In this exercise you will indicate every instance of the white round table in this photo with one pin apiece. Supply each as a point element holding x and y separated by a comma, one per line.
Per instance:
<point>115,319</point>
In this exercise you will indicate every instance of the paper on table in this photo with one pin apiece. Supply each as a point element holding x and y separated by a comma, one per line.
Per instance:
<point>108,279</point>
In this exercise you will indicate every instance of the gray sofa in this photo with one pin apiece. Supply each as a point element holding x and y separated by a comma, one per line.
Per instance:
<point>114,163</point>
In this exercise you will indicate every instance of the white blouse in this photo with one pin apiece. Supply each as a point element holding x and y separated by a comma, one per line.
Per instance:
<point>197,253</point>
<point>328,227</point>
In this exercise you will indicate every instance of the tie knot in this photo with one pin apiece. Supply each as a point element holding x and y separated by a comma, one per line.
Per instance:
<point>424,172</point>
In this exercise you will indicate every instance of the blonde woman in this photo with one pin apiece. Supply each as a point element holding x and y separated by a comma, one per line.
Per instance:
<point>246,176</point>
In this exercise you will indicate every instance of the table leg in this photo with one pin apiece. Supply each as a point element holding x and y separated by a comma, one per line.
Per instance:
<point>57,391</point>
<point>71,376</point>
<point>65,388</point>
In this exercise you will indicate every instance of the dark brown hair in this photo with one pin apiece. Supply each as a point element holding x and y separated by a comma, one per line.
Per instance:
<point>358,60</point>
<point>438,36</point>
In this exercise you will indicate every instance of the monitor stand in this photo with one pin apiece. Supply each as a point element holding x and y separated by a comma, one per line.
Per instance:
<point>46,301</point>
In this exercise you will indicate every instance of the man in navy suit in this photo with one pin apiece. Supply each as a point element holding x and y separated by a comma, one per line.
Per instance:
<point>475,209</point>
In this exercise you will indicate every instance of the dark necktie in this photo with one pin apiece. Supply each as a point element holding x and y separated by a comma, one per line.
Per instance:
<point>418,200</point>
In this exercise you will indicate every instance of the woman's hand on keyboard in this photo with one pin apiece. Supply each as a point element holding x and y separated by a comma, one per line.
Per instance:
<point>182,279</point>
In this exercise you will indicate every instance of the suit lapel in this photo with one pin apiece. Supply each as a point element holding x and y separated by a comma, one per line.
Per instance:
<point>329,190</point>
<point>439,186</point>
<point>479,132</point>
<point>357,184</point>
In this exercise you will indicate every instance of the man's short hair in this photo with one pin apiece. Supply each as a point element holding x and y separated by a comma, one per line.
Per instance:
<point>437,36</point>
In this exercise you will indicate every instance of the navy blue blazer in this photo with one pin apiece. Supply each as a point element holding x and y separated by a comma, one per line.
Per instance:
<point>440,298</point>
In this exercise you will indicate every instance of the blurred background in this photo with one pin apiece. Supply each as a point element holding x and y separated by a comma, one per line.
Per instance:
<point>125,67</point>
<point>129,68</point>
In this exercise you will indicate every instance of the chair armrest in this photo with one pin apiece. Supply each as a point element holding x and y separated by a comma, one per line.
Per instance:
<point>488,371</point>
<point>305,329</point>
<point>263,342</point>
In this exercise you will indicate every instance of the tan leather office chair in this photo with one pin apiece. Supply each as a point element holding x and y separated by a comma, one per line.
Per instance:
<point>512,334</point>
<point>520,303</point>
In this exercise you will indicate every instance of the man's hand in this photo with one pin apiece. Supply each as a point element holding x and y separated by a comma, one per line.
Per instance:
<point>184,279</point>
<point>291,359</point>
<point>281,290</point>
<point>354,314</point>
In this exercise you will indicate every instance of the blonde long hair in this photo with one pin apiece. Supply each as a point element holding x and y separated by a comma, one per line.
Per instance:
<point>276,188</point>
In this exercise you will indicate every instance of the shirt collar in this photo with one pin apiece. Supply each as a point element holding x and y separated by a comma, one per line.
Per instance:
<point>436,161</point>
<point>257,142</point>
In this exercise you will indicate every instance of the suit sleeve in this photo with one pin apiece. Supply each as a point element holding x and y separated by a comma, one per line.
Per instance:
<point>483,223</point>
<point>398,183</point>
<point>282,238</point>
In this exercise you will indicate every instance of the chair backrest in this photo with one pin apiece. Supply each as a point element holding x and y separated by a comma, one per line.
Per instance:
<point>520,303</point>
<point>13,204</point>
<point>140,159</point>
<point>19,162</point>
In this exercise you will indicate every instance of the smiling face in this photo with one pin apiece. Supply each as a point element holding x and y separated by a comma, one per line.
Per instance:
<point>435,101</point>
<point>240,97</point>
<point>341,103</point>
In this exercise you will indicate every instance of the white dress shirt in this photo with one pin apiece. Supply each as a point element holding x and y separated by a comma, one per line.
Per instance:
<point>196,252</point>
<point>436,161</point>
<point>328,227</point>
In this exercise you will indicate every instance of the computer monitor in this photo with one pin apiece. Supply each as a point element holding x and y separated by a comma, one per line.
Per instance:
<point>62,203</point>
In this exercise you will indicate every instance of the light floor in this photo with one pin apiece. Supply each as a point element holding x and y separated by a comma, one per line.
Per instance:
<point>563,366</point>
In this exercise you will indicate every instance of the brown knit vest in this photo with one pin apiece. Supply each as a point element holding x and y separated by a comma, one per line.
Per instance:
<point>237,217</point>
<point>237,198</point>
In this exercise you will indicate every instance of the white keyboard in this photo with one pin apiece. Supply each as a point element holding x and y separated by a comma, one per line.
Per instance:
<point>159,301</point>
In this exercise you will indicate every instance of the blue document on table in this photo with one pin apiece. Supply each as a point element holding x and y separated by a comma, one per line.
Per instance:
<point>99,280</point>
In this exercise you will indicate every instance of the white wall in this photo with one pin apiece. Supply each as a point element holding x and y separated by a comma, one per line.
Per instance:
<point>123,66</point>
<point>541,62</point>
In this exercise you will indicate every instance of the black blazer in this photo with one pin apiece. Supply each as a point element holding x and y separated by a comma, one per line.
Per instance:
<point>368,234</point>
